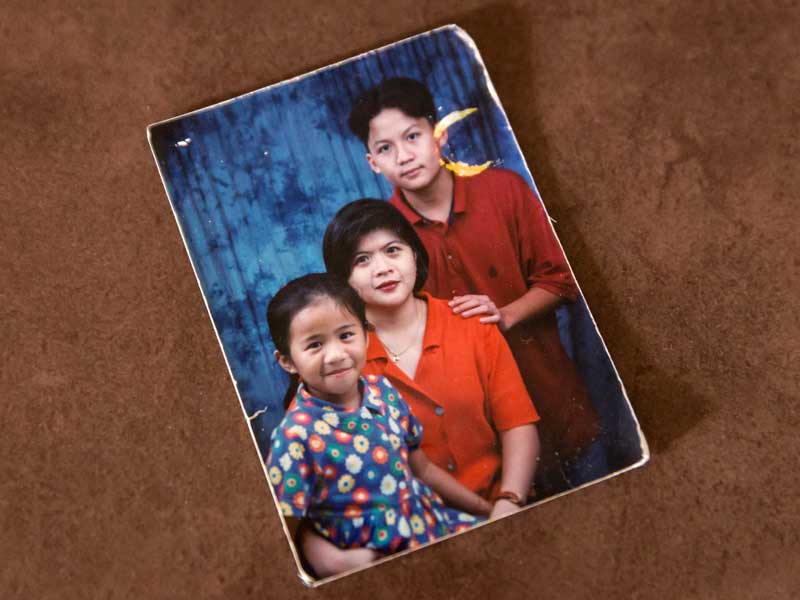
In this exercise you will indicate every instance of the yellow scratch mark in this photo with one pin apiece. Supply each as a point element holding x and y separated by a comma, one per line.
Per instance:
<point>465,170</point>
<point>256,414</point>
<point>458,167</point>
<point>453,117</point>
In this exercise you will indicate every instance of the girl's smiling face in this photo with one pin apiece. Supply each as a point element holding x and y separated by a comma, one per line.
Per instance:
<point>384,269</point>
<point>328,349</point>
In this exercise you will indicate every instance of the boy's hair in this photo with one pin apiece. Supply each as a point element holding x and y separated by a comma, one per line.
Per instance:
<point>408,95</point>
<point>360,218</point>
<point>303,291</point>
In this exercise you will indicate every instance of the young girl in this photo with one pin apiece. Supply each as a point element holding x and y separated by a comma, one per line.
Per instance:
<point>346,456</point>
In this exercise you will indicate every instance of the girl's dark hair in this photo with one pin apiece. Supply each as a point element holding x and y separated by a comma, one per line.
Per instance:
<point>297,295</point>
<point>360,218</point>
<point>407,95</point>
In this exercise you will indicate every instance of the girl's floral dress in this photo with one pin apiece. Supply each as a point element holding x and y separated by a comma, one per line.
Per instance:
<point>348,472</point>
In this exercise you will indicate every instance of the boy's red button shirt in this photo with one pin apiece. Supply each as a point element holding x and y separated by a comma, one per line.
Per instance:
<point>466,388</point>
<point>499,242</point>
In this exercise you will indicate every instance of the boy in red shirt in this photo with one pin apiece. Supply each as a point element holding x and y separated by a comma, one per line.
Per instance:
<point>494,254</point>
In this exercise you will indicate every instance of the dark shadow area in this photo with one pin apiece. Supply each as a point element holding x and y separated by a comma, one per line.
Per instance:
<point>666,407</point>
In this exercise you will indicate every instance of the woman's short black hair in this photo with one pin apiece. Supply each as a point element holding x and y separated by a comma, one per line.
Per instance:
<point>405,94</point>
<point>360,218</point>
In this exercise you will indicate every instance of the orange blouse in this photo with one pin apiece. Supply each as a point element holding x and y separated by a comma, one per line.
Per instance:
<point>467,387</point>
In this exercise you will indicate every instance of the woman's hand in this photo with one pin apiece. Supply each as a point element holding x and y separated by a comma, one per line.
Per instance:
<point>520,450</point>
<point>447,486</point>
<point>502,508</point>
<point>477,304</point>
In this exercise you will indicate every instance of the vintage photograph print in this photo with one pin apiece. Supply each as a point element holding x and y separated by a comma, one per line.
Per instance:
<point>408,341</point>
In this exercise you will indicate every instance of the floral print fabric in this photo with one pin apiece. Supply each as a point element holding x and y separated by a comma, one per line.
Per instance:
<point>348,472</point>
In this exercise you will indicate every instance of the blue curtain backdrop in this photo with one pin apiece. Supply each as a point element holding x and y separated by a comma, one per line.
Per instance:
<point>254,182</point>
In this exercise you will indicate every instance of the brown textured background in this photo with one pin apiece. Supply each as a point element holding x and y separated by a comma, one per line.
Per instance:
<point>664,139</point>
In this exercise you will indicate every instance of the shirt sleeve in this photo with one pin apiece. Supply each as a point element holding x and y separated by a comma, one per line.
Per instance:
<point>541,259</point>
<point>412,428</point>
<point>413,431</point>
<point>290,468</point>
<point>509,403</point>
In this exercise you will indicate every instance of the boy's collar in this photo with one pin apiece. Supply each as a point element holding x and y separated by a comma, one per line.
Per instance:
<point>458,205</point>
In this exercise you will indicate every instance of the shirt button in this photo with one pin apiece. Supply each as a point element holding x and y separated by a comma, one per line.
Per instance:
<point>451,466</point>
<point>454,292</point>
<point>449,257</point>
<point>439,411</point>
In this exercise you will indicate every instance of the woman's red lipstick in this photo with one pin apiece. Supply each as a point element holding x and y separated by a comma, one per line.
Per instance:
<point>388,286</point>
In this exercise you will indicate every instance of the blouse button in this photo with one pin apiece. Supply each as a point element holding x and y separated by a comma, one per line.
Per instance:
<point>439,411</point>
<point>451,466</point>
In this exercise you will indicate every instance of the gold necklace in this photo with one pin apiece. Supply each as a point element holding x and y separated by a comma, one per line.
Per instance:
<point>396,355</point>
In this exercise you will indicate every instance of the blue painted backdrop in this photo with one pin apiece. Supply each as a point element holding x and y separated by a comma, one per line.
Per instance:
<point>254,182</point>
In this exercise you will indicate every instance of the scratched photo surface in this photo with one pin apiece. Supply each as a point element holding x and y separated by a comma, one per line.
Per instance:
<point>254,181</point>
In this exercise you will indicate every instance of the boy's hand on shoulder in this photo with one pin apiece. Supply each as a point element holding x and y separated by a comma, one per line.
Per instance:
<point>472,305</point>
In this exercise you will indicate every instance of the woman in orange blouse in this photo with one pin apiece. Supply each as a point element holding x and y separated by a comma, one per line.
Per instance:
<point>457,375</point>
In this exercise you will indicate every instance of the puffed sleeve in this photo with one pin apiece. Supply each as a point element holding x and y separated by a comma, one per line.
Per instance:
<point>411,427</point>
<point>290,467</point>
<point>509,404</point>
<point>541,259</point>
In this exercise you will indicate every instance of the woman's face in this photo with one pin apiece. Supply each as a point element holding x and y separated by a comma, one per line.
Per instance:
<point>384,269</point>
